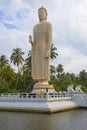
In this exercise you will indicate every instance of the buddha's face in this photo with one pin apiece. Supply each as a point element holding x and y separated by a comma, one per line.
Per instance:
<point>42,15</point>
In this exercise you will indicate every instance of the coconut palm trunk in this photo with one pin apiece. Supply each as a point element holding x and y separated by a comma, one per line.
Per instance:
<point>17,59</point>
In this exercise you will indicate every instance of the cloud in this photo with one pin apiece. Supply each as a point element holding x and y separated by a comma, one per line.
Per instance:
<point>10,39</point>
<point>69,21</point>
<point>72,60</point>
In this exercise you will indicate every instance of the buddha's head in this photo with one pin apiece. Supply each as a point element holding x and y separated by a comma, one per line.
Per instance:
<point>42,14</point>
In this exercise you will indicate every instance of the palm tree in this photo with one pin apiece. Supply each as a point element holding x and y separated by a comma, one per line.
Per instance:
<point>17,59</point>
<point>28,62</point>
<point>3,61</point>
<point>24,73</point>
<point>53,53</point>
<point>52,72</point>
<point>59,70</point>
<point>83,78</point>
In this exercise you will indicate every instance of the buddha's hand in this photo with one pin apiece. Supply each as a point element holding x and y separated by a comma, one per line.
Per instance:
<point>30,39</point>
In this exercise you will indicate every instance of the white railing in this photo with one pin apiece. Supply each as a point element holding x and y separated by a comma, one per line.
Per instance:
<point>36,95</point>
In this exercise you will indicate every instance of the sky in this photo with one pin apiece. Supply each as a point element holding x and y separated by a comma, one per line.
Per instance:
<point>69,24</point>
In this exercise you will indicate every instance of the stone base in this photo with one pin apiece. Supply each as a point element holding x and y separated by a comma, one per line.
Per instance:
<point>38,87</point>
<point>40,106</point>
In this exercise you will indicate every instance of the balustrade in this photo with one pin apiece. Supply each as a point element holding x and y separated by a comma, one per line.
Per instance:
<point>36,95</point>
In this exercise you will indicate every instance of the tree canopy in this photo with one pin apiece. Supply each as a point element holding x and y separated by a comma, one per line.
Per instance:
<point>21,81</point>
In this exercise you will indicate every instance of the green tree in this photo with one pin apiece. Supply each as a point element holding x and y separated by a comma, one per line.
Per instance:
<point>7,79</point>
<point>59,70</point>
<point>83,78</point>
<point>24,74</point>
<point>3,61</point>
<point>73,77</point>
<point>52,72</point>
<point>28,62</point>
<point>53,53</point>
<point>17,59</point>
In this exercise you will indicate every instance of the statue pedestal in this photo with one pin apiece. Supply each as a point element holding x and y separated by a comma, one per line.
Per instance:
<point>38,87</point>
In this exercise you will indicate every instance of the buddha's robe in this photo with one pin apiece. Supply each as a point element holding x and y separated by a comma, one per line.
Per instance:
<point>42,41</point>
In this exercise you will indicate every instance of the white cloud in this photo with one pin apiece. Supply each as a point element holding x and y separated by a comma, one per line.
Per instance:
<point>11,39</point>
<point>77,64</point>
<point>69,20</point>
<point>72,60</point>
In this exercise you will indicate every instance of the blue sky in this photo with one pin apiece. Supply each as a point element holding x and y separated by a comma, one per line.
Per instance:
<point>69,22</point>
